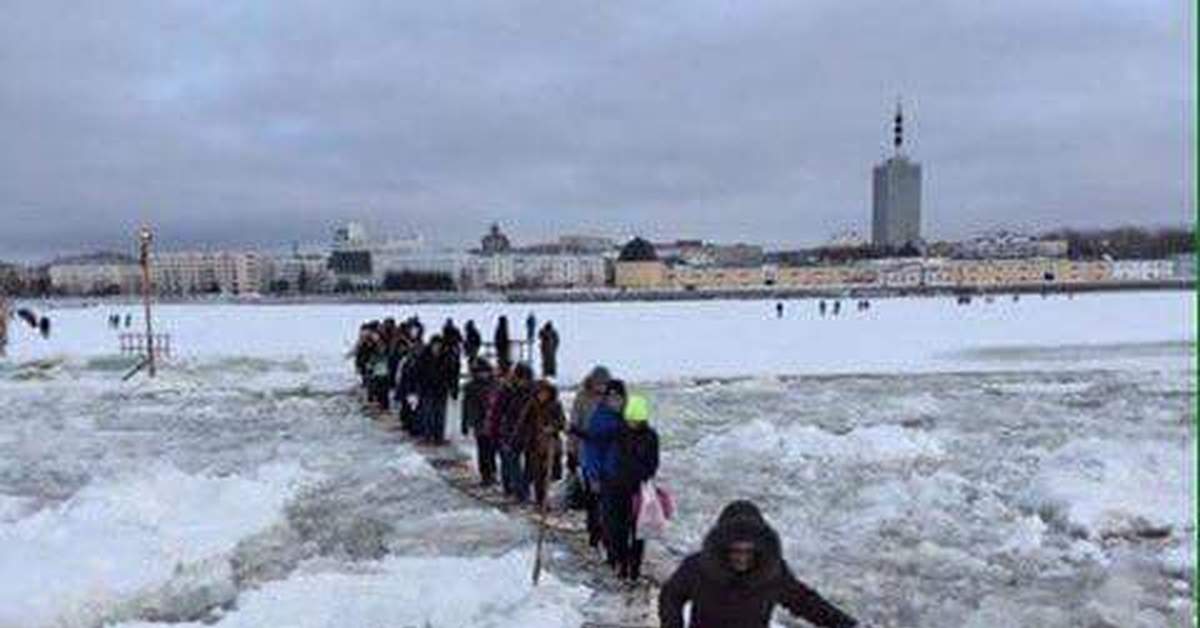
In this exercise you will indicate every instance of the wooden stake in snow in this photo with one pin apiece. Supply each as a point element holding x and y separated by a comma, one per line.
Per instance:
<point>537,557</point>
<point>144,239</point>
<point>3,325</point>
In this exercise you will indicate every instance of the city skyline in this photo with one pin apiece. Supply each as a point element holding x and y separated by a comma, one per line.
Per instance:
<point>247,127</point>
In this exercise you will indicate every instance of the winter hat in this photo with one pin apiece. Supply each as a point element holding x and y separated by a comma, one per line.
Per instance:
<point>522,371</point>
<point>600,375</point>
<point>637,410</point>
<point>615,386</point>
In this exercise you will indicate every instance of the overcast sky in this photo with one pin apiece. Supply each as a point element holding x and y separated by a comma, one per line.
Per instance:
<point>260,123</point>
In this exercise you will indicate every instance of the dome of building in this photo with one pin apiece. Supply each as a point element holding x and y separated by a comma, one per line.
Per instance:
<point>638,250</point>
<point>495,242</point>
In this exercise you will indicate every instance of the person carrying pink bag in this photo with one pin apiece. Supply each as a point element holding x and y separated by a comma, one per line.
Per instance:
<point>637,464</point>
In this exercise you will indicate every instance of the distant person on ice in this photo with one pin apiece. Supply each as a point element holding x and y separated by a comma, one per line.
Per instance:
<point>451,341</point>
<point>503,348</point>
<point>739,577</point>
<point>821,307</point>
<point>530,327</point>
<point>472,342</point>
<point>779,310</point>
<point>548,343</point>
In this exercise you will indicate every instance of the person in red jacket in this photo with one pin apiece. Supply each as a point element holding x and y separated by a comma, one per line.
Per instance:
<point>739,577</point>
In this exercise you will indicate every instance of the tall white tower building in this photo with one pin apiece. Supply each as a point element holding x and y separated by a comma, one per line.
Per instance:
<point>896,207</point>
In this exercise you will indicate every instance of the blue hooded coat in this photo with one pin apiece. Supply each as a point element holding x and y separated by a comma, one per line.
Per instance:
<point>600,455</point>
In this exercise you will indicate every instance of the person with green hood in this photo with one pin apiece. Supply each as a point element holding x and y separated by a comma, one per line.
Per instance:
<point>637,462</point>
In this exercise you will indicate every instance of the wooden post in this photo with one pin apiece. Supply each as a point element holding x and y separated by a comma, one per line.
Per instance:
<point>144,238</point>
<point>3,325</point>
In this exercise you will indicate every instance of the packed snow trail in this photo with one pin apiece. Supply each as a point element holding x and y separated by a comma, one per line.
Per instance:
<point>614,604</point>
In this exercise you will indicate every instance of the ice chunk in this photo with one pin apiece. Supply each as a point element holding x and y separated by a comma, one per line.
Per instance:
<point>1108,488</point>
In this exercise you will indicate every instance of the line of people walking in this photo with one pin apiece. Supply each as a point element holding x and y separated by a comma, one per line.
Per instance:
<point>606,454</point>
<point>421,376</point>
<point>519,426</point>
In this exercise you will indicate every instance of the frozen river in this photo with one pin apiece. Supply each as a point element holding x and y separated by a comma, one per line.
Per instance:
<point>1005,464</point>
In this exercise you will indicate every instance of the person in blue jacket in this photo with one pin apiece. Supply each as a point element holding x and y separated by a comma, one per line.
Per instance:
<point>601,456</point>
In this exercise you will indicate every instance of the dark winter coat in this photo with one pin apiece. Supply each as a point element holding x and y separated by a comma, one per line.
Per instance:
<point>377,361</point>
<point>475,397</point>
<point>540,425</point>
<point>437,375</point>
<point>452,337</point>
<point>548,339</point>
<point>397,347</point>
<point>409,370</point>
<point>493,409</point>
<point>516,397</point>
<point>722,598</point>
<point>362,355</point>
<point>473,341</point>
<point>600,443</point>
<point>637,457</point>
<point>503,349</point>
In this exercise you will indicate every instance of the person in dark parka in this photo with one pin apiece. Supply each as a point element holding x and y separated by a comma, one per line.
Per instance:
<point>476,396</point>
<point>739,577</point>
<point>362,353</point>
<point>637,462</point>
<point>437,380</point>
<point>513,401</point>
<point>473,341</point>
<point>548,342</point>
<point>452,340</point>
<point>451,337</point>
<point>539,432</point>
<point>408,385</point>
<point>503,348</point>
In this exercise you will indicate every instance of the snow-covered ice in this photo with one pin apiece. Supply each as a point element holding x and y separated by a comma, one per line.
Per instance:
<point>113,537</point>
<point>400,592</point>
<point>1013,463</point>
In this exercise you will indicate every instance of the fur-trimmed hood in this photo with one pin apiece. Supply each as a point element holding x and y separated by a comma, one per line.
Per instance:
<point>742,521</point>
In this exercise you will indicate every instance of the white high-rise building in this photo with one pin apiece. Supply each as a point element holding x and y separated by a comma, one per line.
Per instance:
<point>896,206</point>
<point>204,272</point>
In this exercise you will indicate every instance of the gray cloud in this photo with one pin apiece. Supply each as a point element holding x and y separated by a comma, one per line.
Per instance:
<point>256,123</point>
